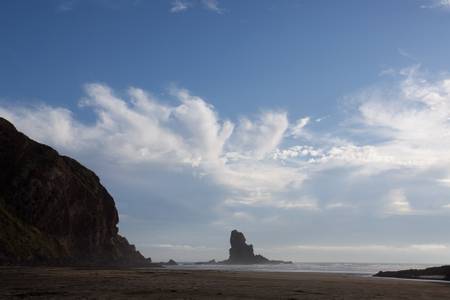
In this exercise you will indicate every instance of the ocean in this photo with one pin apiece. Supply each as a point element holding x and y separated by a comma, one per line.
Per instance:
<point>343,268</point>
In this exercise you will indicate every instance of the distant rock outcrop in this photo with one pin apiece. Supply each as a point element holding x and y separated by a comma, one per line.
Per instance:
<point>433,273</point>
<point>210,262</point>
<point>53,210</point>
<point>171,262</point>
<point>241,253</point>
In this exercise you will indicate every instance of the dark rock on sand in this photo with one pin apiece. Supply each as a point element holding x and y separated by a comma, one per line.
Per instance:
<point>210,262</point>
<point>53,210</point>
<point>241,253</point>
<point>171,262</point>
<point>433,273</point>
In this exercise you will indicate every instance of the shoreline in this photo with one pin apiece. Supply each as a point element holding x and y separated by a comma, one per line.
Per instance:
<point>319,267</point>
<point>166,283</point>
<point>350,274</point>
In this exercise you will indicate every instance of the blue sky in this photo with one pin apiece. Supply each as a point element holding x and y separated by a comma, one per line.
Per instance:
<point>319,128</point>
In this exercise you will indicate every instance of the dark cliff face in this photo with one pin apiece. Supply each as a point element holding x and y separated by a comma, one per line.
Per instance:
<point>241,253</point>
<point>54,209</point>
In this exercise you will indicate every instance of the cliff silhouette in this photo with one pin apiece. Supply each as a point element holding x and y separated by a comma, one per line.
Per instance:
<point>53,210</point>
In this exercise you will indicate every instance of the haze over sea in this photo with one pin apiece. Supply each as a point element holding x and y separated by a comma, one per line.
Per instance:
<point>321,267</point>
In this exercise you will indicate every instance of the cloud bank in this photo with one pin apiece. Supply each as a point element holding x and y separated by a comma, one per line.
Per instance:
<point>265,159</point>
<point>388,161</point>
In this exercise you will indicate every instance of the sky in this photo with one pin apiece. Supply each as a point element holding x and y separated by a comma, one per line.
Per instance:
<point>321,129</point>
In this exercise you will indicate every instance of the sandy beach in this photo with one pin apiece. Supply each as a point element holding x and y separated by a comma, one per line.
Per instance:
<point>135,283</point>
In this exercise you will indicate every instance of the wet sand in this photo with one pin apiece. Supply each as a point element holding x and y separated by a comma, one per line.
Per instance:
<point>132,283</point>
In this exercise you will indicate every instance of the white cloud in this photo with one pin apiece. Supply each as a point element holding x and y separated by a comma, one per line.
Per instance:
<point>142,130</point>
<point>297,130</point>
<point>397,203</point>
<point>258,160</point>
<point>443,4</point>
<point>306,203</point>
<point>179,6</point>
<point>259,138</point>
<point>320,119</point>
<point>407,126</point>
<point>55,126</point>
<point>405,54</point>
<point>206,135</point>
<point>429,247</point>
<point>337,205</point>
<point>240,215</point>
<point>268,199</point>
<point>443,181</point>
<point>212,5</point>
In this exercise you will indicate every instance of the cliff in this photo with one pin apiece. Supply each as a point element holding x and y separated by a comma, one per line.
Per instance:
<point>53,209</point>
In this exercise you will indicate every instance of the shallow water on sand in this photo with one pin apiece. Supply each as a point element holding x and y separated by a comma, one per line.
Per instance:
<point>343,268</point>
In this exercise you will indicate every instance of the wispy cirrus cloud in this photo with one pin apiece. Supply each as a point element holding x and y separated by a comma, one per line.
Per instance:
<point>212,5</point>
<point>442,4</point>
<point>66,5</point>
<point>178,6</point>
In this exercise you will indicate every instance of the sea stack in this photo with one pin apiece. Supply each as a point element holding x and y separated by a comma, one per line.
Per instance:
<point>53,210</point>
<point>241,253</point>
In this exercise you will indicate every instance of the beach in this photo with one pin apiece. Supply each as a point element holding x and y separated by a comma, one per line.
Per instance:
<point>160,283</point>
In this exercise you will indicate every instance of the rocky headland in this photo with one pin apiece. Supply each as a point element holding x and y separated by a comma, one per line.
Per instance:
<point>433,273</point>
<point>53,210</point>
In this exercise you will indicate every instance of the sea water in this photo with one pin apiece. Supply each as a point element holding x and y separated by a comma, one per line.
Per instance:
<point>342,268</point>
